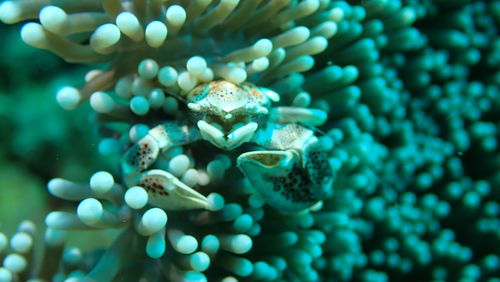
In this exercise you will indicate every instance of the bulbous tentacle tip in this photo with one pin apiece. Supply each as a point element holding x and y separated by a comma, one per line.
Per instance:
<point>281,179</point>
<point>168,192</point>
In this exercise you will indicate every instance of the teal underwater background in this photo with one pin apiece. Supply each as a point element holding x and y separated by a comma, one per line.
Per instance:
<point>412,91</point>
<point>35,131</point>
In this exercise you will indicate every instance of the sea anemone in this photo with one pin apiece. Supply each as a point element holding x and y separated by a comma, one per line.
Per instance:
<point>411,92</point>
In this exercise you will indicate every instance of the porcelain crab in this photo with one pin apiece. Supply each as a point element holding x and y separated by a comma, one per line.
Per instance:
<point>291,173</point>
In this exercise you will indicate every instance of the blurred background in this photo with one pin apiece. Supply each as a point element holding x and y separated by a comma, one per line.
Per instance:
<point>38,139</point>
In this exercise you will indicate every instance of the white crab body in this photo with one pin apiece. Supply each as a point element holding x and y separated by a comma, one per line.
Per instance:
<point>228,113</point>
<point>291,173</point>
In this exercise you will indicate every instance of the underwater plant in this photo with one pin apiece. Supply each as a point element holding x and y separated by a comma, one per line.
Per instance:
<point>283,140</point>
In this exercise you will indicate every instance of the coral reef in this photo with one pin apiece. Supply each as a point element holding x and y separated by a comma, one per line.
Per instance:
<point>384,113</point>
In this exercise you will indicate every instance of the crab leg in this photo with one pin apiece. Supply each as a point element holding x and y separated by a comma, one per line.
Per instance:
<point>283,137</point>
<point>145,152</point>
<point>294,174</point>
<point>311,117</point>
<point>167,192</point>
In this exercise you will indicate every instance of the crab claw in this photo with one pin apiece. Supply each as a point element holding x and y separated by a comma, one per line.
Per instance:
<point>167,192</point>
<point>279,177</point>
<point>140,156</point>
<point>211,134</point>
<point>227,141</point>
